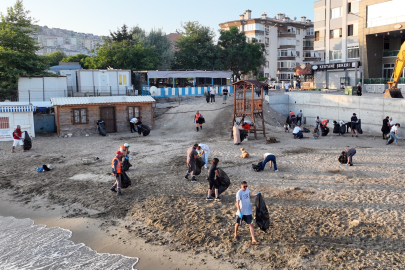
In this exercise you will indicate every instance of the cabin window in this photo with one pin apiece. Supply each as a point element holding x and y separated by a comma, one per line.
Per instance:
<point>4,123</point>
<point>133,112</point>
<point>80,116</point>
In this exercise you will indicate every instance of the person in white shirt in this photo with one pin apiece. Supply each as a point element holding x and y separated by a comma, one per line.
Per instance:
<point>244,211</point>
<point>318,121</point>
<point>286,86</point>
<point>392,122</point>
<point>394,133</point>
<point>204,150</point>
<point>269,157</point>
<point>297,132</point>
<point>132,124</point>
<point>212,93</point>
<point>341,124</point>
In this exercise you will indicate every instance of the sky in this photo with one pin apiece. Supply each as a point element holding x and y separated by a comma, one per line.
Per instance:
<point>100,16</point>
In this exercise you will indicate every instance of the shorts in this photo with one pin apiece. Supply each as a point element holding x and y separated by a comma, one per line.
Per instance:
<point>247,218</point>
<point>17,142</point>
<point>191,168</point>
<point>213,183</point>
<point>224,97</point>
<point>354,126</point>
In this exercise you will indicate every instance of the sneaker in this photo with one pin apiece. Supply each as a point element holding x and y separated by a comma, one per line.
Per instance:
<point>113,189</point>
<point>209,198</point>
<point>218,199</point>
<point>186,177</point>
<point>246,139</point>
<point>193,180</point>
<point>288,131</point>
<point>351,164</point>
<point>357,136</point>
<point>205,166</point>
<point>119,193</point>
<point>352,135</point>
<point>276,170</point>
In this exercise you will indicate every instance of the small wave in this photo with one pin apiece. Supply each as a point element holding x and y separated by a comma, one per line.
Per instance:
<point>24,245</point>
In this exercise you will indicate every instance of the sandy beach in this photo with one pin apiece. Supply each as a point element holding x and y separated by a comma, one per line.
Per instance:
<point>324,215</point>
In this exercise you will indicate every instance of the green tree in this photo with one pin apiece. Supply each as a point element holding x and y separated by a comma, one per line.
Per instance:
<point>17,48</point>
<point>163,47</point>
<point>196,48</point>
<point>138,34</point>
<point>121,34</point>
<point>81,58</point>
<point>238,55</point>
<point>123,55</point>
<point>54,58</point>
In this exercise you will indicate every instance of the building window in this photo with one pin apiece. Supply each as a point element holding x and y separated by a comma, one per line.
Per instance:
<point>336,13</point>
<point>80,116</point>
<point>298,31</point>
<point>386,44</point>
<point>353,7</point>
<point>266,64</point>
<point>308,43</point>
<point>267,52</point>
<point>335,55</point>
<point>266,75</point>
<point>133,112</point>
<point>320,15</point>
<point>353,52</point>
<point>310,31</point>
<point>353,29</point>
<point>387,70</point>
<point>336,33</point>
<point>298,53</point>
<point>4,123</point>
<point>122,79</point>
<point>283,53</point>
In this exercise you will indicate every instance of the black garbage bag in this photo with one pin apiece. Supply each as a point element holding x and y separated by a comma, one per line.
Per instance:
<point>223,182</point>
<point>200,120</point>
<point>144,129</point>
<point>390,140</point>
<point>342,159</point>
<point>101,128</point>
<point>262,214</point>
<point>305,130</point>
<point>27,141</point>
<point>207,98</point>
<point>325,131</point>
<point>243,134</point>
<point>335,127</point>
<point>199,163</point>
<point>126,165</point>
<point>125,181</point>
<point>359,130</point>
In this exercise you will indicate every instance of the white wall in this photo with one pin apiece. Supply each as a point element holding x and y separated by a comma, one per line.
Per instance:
<point>41,88</point>
<point>24,119</point>
<point>102,80</point>
<point>371,110</point>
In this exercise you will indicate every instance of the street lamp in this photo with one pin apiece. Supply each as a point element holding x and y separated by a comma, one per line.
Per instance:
<point>362,51</point>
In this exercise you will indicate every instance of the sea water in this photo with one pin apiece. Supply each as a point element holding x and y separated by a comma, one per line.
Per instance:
<point>24,245</point>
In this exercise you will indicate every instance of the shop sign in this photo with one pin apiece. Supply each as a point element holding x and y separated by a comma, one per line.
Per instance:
<point>338,65</point>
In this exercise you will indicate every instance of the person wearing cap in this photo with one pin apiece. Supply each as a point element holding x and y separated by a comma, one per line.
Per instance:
<point>204,150</point>
<point>318,121</point>
<point>192,155</point>
<point>354,121</point>
<point>385,129</point>
<point>394,133</point>
<point>116,171</point>
<point>124,149</point>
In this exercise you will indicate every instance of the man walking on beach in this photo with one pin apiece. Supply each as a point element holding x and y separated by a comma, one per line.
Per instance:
<point>212,93</point>
<point>244,211</point>
<point>354,121</point>
<point>17,136</point>
<point>299,117</point>
<point>116,171</point>
<point>224,95</point>
<point>191,157</point>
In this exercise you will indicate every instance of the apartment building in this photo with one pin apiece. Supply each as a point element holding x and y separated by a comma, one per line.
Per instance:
<point>362,35</point>
<point>288,42</point>
<point>70,42</point>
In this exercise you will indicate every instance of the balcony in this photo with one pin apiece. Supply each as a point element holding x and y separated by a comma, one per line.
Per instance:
<point>286,46</point>
<point>267,31</point>
<point>308,48</point>
<point>390,53</point>
<point>267,43</point>
<point>286,34</point>
<point>319,38</point>
<point>311,59</point>
<point>285,57</point>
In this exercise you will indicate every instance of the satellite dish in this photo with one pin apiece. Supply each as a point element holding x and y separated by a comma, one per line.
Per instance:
<point>153,91</point>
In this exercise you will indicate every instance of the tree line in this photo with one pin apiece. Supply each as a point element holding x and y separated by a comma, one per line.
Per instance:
<point>127,48</point>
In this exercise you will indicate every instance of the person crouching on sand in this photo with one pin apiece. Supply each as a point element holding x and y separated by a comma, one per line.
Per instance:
<point>350,152</point>
<point>244,211</point>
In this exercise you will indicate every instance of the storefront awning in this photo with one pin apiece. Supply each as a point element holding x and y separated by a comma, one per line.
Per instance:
<point>189,74</point>
<point>9,109</point>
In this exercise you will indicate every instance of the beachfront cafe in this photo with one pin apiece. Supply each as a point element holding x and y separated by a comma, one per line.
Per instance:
<point>185,83</point>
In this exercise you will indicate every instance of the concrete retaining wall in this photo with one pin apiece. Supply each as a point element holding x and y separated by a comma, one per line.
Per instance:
<point>370,110</point>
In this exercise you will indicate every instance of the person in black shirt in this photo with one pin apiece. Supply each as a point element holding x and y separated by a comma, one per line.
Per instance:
<point>354,121</point>
<point>224,95</point>
<point>212,181</point>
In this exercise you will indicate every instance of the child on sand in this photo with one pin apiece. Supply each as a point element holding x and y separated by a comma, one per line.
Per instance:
<point>286,128</point>
<point>316,133</point>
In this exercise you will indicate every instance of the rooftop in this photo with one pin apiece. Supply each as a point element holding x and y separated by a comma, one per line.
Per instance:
<point>100,100</point>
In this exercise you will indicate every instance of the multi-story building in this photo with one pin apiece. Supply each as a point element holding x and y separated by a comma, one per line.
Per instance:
<point>70,42</point>
<point>288,42</point>
<point>363,34</point>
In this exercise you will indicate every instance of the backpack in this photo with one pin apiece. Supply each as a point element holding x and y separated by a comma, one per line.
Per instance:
<point>257,167</point>
<point>342,159</point>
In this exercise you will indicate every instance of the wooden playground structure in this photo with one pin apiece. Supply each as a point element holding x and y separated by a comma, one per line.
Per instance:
<point>248,105</point>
